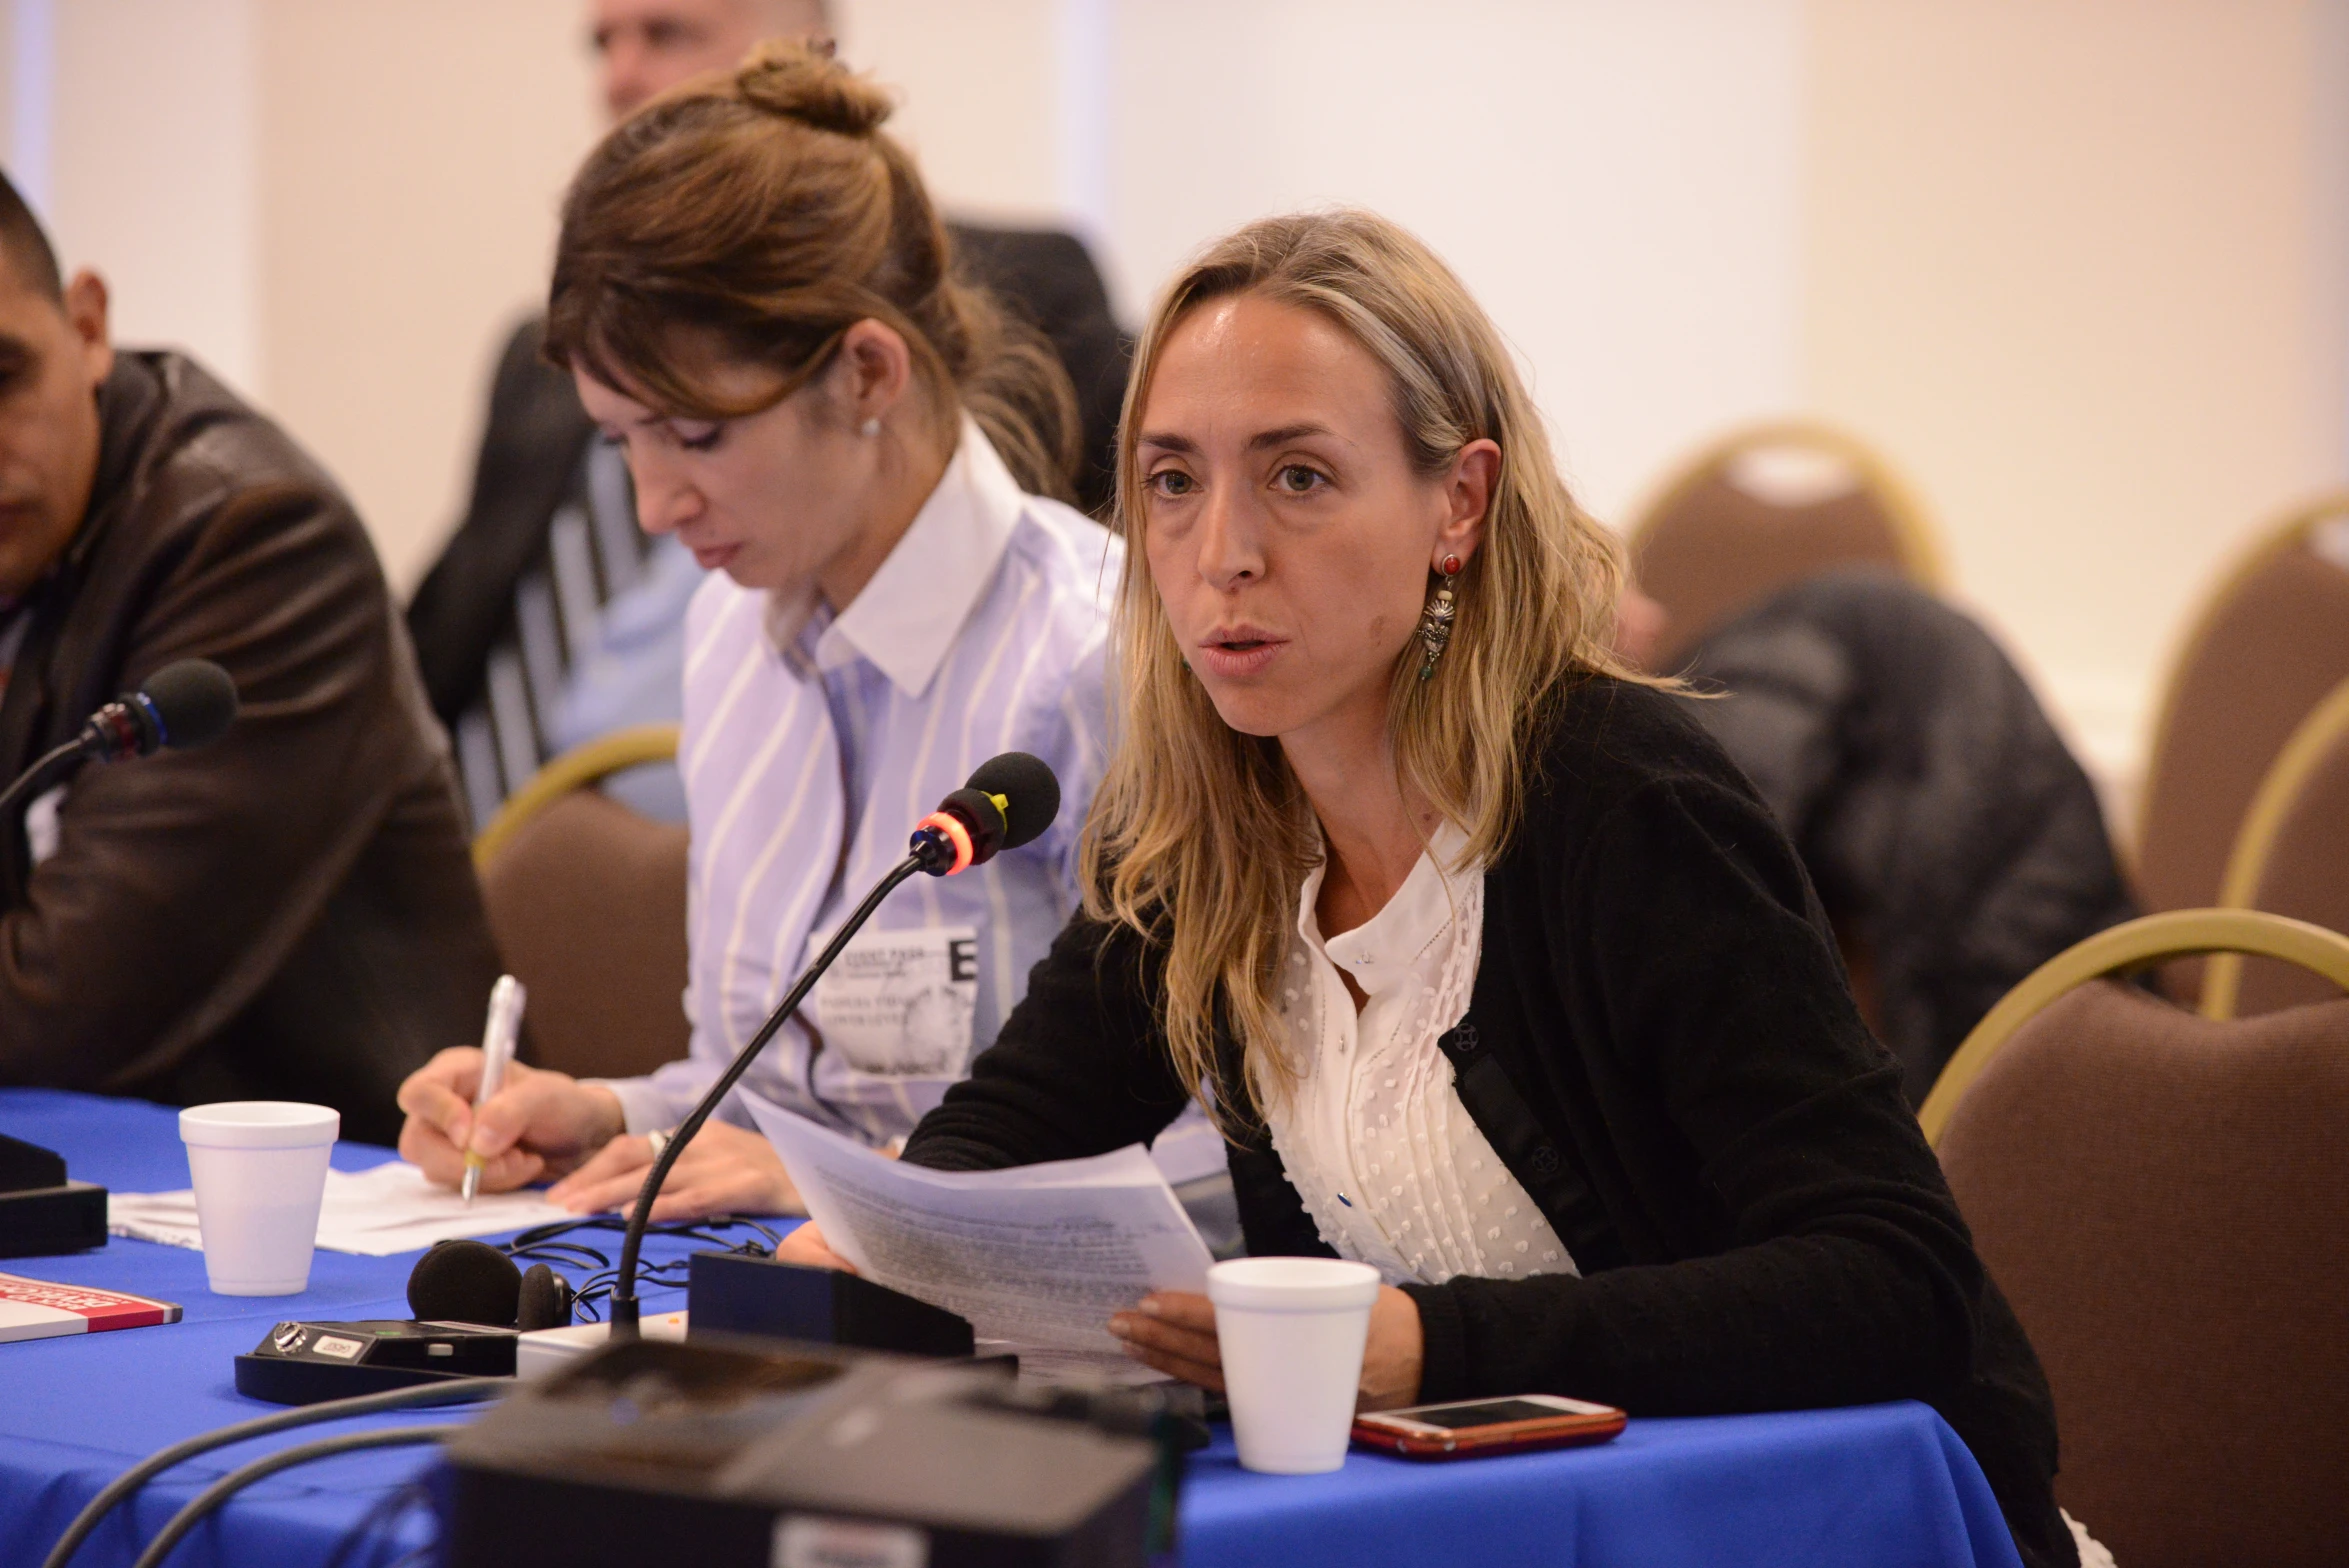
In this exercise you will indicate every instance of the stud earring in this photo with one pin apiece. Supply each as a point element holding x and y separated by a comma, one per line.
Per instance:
<point>1435,622</point>
<point>871,427</point>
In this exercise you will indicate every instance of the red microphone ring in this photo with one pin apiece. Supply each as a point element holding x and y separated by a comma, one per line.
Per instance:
<point>959,835</point>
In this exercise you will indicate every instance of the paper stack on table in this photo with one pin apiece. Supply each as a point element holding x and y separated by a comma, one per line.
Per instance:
<point>1038,1256</point>
<point>375,1213</point>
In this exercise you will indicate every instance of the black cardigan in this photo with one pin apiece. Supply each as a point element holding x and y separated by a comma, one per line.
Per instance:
<point>1684,1085</point>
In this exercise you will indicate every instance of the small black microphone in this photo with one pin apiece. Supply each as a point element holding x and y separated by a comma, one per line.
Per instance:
<point>181,705</point>
<point>1007,802</point>
<point>1010,800</point>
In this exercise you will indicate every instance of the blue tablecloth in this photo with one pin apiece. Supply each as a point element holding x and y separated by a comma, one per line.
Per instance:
<point>1884,1485</point>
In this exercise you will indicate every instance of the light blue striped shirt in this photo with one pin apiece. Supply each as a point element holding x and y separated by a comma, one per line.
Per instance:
<point>814,742</point>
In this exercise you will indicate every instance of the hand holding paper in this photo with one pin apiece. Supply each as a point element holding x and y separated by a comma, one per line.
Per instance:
<point>1040,1255</point>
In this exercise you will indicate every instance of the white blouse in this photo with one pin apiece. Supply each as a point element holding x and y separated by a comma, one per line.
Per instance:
<point>1388,1161</point>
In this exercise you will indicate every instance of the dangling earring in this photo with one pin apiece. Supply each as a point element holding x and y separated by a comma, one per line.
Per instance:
<point>1435,623</point>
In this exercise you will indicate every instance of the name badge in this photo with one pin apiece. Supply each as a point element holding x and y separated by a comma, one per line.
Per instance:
<point>898,1004</point>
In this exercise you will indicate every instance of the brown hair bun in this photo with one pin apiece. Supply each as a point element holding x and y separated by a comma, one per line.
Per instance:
<point>764,212</point>
<point>804,82</point>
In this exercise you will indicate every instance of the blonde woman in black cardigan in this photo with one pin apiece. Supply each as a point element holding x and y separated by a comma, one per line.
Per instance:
<point>1500,976</point>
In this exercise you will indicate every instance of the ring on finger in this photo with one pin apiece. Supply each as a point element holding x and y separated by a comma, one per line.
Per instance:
<point>659,1139</point>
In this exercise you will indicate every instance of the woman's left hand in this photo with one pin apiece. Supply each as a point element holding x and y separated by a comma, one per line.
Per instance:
<point>1174,1331</point>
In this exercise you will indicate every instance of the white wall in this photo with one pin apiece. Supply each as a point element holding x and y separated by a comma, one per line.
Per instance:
<point>1618,184</point>
<point>26,104</point>
<point>414,153</point>
<point>978,93</point>
<point>2078,265</point>
<point>339,207</point>
<point>152,174</point>
<point>2081,268</point>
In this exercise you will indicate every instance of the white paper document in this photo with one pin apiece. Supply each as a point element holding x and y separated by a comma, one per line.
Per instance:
<point>1039,1255</point>
<point>375,1213</point>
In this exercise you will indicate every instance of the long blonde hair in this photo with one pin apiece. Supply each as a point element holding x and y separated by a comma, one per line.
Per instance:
<point>1200,838</point>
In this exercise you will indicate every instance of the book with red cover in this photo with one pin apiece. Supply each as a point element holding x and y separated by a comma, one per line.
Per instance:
<point>36,1309</point>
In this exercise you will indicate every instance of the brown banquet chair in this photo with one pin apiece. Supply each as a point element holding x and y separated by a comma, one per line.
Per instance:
<point>2291,858</point>
<point>2268,645</point>
<point>586,900</point>
<point>2163,1199</point>
<point>1766,507</point>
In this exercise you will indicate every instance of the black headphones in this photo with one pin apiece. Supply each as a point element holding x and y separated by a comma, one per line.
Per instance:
<point>475,1282</point>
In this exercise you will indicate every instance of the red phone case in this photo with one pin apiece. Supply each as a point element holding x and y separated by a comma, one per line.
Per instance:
<point>1566,1429</point>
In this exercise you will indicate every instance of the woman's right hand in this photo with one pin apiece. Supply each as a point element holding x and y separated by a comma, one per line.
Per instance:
<point>806,1246</point>
<point>540,1123</point>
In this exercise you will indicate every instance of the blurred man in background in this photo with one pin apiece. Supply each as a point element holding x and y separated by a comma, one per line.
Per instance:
<point>1953,838</point>
<point>548,619</point>
<point>288,913</point>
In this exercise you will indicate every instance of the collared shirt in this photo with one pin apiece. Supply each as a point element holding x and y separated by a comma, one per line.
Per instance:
<point>1390,1165</point>
<point>814,742</point>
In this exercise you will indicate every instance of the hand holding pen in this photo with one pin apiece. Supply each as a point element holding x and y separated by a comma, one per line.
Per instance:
<point>498,1036</point>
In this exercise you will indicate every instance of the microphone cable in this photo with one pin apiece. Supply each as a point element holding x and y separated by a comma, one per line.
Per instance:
<point>1009,800</point>
<point>220,1491</point>
<point>34,774</point>
<point>621,1305</point>
<point>463,1391</point>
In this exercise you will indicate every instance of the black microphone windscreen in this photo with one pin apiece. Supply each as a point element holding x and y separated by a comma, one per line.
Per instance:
<point>194,698</point>
<point>1028,786</point>
<point>465,1282</point>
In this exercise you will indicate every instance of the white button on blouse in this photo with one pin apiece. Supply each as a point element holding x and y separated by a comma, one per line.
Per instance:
<point>1389,1163</point>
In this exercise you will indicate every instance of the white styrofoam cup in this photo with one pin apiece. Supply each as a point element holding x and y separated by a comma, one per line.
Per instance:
<point>1291,1332</point>
<point>259,1170</point>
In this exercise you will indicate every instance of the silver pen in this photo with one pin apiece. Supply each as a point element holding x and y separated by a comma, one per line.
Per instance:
<point>498,1035</point>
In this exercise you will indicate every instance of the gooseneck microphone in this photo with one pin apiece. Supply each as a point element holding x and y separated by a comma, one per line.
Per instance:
<point>1008,801</point>
<point>181,705</point>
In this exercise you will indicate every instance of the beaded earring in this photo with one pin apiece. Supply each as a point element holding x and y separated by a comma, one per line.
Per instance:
<point>1435,623</point>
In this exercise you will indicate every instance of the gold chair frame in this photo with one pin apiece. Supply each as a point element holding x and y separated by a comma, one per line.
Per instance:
<point>579,768</point>
<point>2139,944</point>
<point>1922,555</point>
<point>2255,844</point>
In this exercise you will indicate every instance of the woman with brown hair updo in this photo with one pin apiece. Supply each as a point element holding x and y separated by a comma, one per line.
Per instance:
<point>1499,974</point>
<point>754,295</point>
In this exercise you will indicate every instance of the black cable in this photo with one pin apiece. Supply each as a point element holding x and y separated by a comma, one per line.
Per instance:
<point>268,1465</point>
<point>563,1252</point>
<point>623,1304</point>
<point>462,1391</point>
<point>33,774</point>
<point>527,1243</point>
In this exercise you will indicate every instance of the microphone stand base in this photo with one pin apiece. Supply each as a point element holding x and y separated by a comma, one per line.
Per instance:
<point>541,1352</point>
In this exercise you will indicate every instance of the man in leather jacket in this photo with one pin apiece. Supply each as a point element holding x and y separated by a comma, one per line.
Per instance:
<point>289,912</point>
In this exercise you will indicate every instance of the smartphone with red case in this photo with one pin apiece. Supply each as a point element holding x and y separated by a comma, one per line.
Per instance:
<point>1471,1427</point>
